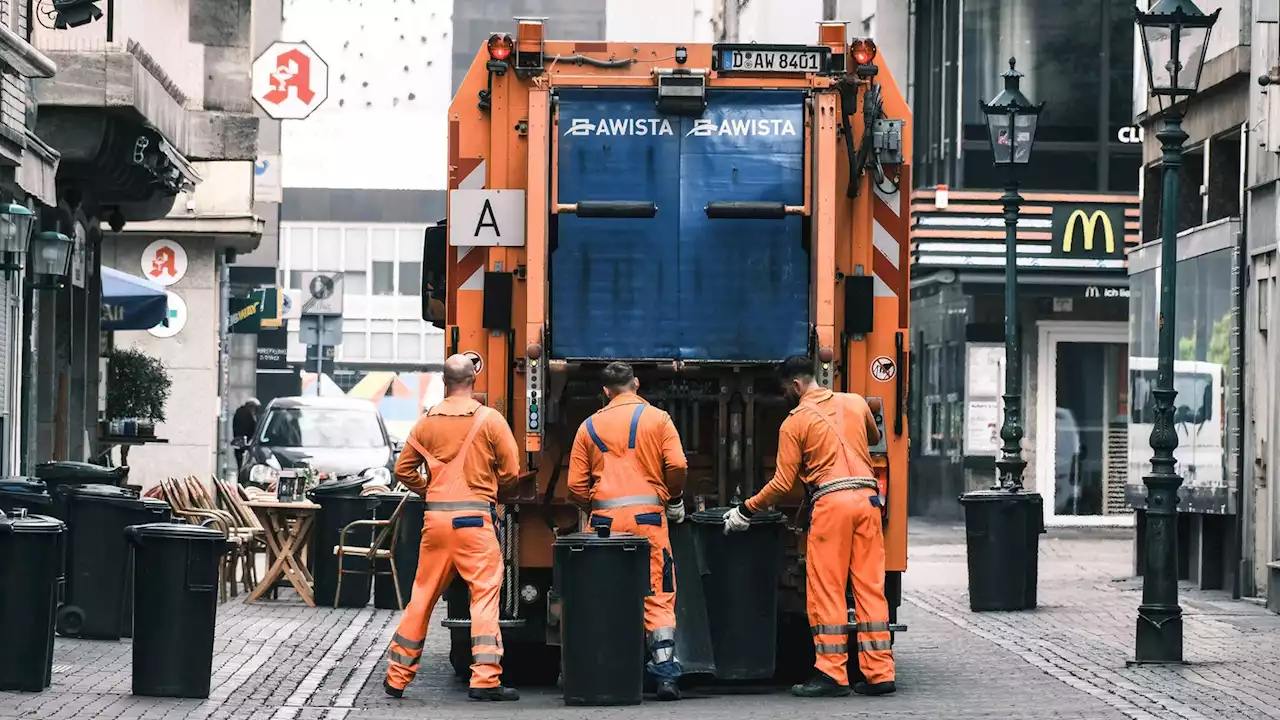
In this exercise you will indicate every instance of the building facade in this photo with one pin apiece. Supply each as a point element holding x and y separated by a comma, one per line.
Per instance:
<point>151,115</point>
<point>1080,214</point>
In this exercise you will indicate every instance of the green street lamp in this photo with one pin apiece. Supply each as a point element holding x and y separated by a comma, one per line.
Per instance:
<point>16,222</point>
<point>1175,35</point>
<point>51,259</point>
<point>1011,124</point>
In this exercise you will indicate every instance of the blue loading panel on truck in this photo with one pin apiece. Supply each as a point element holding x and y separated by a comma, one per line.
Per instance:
<point>680,285</point>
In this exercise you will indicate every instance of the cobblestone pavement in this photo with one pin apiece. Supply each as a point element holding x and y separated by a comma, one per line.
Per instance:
<point>284,661</point>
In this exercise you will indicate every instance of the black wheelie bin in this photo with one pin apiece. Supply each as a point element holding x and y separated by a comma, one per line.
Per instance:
<point>600,580</point>
<point>1002,547</point>
<point>97,558</point>
<point>341,503</point>
<point>27,494</point>
<point>30,557</point>
<point>741,587</point>
<point>176,573</point>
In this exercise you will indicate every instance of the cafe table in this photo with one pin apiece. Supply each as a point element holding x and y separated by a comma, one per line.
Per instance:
<point>288,528</point>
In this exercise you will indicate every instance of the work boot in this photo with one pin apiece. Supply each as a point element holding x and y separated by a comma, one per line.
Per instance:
<point>881,688</point>
<point>820,685</point>
<point>394,692</point>
<point>497,693</point>
<point>668,690</point>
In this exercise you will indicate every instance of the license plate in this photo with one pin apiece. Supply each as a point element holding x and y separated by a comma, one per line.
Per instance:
<point>771,61</point>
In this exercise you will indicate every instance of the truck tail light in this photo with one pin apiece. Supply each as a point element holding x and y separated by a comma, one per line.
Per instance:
<point>500,45</point>
<point>864,51</point>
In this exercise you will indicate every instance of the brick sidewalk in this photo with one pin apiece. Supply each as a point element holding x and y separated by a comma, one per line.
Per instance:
<point>284,661</point>
<point>1082,633</point>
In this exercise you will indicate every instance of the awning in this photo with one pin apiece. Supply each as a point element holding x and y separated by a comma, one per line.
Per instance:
<point>131,303</point>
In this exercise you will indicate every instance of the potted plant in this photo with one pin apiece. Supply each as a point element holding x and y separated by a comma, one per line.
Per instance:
<point>138,387</point>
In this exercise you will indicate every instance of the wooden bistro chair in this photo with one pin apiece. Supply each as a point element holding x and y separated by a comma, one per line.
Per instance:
<point>383,547</point>
<point>229,494</point>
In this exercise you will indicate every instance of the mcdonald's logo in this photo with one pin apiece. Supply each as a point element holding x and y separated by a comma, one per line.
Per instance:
<point>1076,232</point>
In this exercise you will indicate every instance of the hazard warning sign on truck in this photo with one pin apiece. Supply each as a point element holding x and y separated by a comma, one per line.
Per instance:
<point>486,218</point>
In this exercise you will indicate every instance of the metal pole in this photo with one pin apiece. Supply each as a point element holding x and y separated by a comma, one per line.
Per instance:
<point>1011,463</point>
<point>1159,636</point>
<point>319,355</point>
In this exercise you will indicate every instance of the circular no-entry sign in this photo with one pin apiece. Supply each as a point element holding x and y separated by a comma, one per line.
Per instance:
<point>883,368</point>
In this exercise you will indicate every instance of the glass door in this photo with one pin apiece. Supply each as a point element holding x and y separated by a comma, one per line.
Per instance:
<point>1082,446</point>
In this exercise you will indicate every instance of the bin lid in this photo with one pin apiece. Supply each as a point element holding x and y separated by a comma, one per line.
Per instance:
<point>583,539</point>
<point>22,486</point>
<point>1003,496</point>
<point>153,504</point>
<point>30,524</point>
<point>103,491</point>
<point>346,486</point>
<point>179,531</point>
<point>716,516</point>
<point>396,495</point>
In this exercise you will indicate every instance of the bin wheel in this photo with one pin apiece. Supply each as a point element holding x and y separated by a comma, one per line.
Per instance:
<point>70,621</point>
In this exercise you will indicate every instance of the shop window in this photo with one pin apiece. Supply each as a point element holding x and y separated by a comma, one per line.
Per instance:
<point>295,279</point>
<point>384,278</point>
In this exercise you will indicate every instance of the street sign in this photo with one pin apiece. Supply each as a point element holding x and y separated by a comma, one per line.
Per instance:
<point>321,293</point>
<point>475,360</point>
<point>290,81</point>
<point>486,218</point>
<point>320,330</point>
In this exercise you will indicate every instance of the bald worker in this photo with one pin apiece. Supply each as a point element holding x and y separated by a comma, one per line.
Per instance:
<point>469,453</point>
<point>628,468</point>
<point>824,443</point>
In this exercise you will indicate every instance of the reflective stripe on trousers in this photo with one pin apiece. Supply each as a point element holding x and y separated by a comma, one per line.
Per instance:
<point>845,538</point>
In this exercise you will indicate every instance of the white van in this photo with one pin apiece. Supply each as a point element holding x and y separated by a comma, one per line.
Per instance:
<point>1197,418</point>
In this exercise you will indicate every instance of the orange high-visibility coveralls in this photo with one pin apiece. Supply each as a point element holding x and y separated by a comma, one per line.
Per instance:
<point>824,441</point>
<point>470,452</point>
<point>627,462</point>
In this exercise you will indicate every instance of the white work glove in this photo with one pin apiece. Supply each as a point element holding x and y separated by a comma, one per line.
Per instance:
<point>675,510</point>
<point>735,521</point>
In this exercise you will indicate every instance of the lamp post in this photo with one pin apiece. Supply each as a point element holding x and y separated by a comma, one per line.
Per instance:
<point>1011,125</point>
<point>15,233</point>
<point>1175,35</point>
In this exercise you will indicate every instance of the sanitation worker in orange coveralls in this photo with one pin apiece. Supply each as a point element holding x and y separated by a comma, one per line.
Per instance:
<point>628,466</point>
<point>824,443</point>
<point>470,453</point>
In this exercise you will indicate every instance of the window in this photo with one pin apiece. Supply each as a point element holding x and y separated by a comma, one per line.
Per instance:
<point>355,283</point>
<point>322,428</point>
<point>354,345</point>
<point>355,246</point>
<point>329,248</point>
<point>410,278</point>
<point>408,346</point>
<point>382,346</point>
<point>295,280</point>
<point>383,245</point>
<point>384,278</point>
<point>301,247</point>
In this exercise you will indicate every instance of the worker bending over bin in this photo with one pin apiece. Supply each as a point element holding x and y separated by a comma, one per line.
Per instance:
<point>824,441</point>
<point>628,469</point>
<point>469,453</point>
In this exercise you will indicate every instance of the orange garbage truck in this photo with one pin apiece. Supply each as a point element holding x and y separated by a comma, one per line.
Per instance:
<point>701,211</point>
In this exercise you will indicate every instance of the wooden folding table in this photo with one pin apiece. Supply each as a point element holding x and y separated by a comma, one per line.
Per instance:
<point>288,526</point>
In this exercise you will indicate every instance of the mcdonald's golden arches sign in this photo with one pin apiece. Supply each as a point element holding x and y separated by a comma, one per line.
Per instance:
<point>1088,231</point>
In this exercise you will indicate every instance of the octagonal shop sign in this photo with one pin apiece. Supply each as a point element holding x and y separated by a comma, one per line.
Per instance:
<point>290,80</point>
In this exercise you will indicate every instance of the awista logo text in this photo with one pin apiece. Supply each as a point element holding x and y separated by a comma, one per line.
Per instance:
<point>702,127</point>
